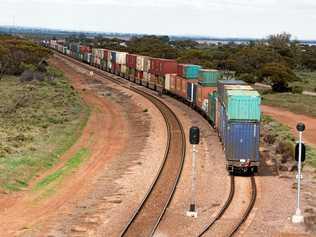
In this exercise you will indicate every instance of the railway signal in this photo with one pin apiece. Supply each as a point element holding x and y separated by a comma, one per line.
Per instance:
<point>194,140</point>
<point>299,157</point>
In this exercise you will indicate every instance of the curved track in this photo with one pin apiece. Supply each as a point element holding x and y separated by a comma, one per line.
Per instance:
<point>147,216</point>
<point>208,229</point>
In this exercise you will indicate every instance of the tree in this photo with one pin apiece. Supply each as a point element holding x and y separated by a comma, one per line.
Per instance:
<point>278,76</point>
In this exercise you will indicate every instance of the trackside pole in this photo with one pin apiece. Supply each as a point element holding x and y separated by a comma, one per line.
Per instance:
<point>194,140</point>
<point>298,217</point>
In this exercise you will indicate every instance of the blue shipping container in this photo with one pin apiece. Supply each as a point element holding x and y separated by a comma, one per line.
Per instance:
<point>113,56</point>
<point>242,141</point>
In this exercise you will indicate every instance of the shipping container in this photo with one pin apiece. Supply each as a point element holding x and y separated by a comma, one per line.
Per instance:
<point>217,119</point>
<point>191,71</point>
<point>180,69</point>
<point>167,66</point>
<point>167,82</point>
<point>178,85</point>
<point>113,56</point>
<point>221,87</point>
<point>209,76</point>
<point>238,87</point>
<point>222,124</point>
<point>173,82</point>
<point>131,60</point>
<point>146,64</point>
<point>191,92</point>
<point>242,105</point>
<point>202,96</point>
<point>242,144</point>
<point>140,63</point>
<point>121,58</point>
<point>212,107</point>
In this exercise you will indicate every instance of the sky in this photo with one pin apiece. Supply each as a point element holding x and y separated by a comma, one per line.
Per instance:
<point>217,18</point>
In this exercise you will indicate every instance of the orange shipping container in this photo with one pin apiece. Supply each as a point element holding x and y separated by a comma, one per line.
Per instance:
<point>178,85</point>
<point>173,83</point>
<point>184,83</point>
<point>202,96</point>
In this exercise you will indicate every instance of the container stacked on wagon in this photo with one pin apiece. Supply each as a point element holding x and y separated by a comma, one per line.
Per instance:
<point>232,107</point>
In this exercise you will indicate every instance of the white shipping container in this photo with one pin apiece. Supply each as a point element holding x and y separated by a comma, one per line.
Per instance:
<point>123,68</point>
<point>167,82</point>
<point>109,56</point>
<point>121,58</point>
<point>146,64</point>
<point>140,63</point>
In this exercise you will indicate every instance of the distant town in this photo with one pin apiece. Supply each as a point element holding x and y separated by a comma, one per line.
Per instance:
<point>58,33</point>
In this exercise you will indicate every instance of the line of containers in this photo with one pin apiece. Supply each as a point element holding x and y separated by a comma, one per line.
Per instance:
<point>232,106</point>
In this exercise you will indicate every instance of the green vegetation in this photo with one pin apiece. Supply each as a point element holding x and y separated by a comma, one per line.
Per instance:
<point>307,82</point>
<point>39,121</point>
<point>296,103</point>
<point>272,61</point>
<point>17,55</point>
<point>71,164</point>
<point>275,133</point>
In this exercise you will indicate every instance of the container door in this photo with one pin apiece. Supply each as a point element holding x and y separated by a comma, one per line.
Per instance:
<point>243,141</point>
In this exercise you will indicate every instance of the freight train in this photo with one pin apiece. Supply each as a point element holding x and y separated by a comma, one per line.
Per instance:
<point>231,106</point>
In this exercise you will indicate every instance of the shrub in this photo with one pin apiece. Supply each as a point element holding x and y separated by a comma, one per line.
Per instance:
<point>285,148</point>
<point>27,76</point>
<point>297,89</point>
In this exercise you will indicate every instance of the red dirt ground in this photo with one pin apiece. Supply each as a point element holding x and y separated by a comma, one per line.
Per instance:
<point>103,137</point>
<point>291,119</point>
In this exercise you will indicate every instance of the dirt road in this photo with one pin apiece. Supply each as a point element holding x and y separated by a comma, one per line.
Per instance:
<point>291,119</point>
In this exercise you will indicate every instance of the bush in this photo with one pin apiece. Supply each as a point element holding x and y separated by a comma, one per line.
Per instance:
<point>297,89</point>
<point>285,148</point>
<point>27,75</point>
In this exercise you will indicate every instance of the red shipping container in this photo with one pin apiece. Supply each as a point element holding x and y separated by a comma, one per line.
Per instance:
<point>117,68</point>
<point>131,60</point>
<point>167,66</point>
<point>202,96</point>
<point>180,69</point>
<point>113,68</point>
<point>154,64</point>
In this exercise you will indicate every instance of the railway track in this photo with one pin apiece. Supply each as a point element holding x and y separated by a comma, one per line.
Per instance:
<point>211,227</point>
<point>148,215</point>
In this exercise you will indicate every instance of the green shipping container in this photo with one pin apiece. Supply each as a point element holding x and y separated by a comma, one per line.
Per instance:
<point>191,71</point>
<point>209,75</point>
<point>242,105</point>
<point>212,106</point>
